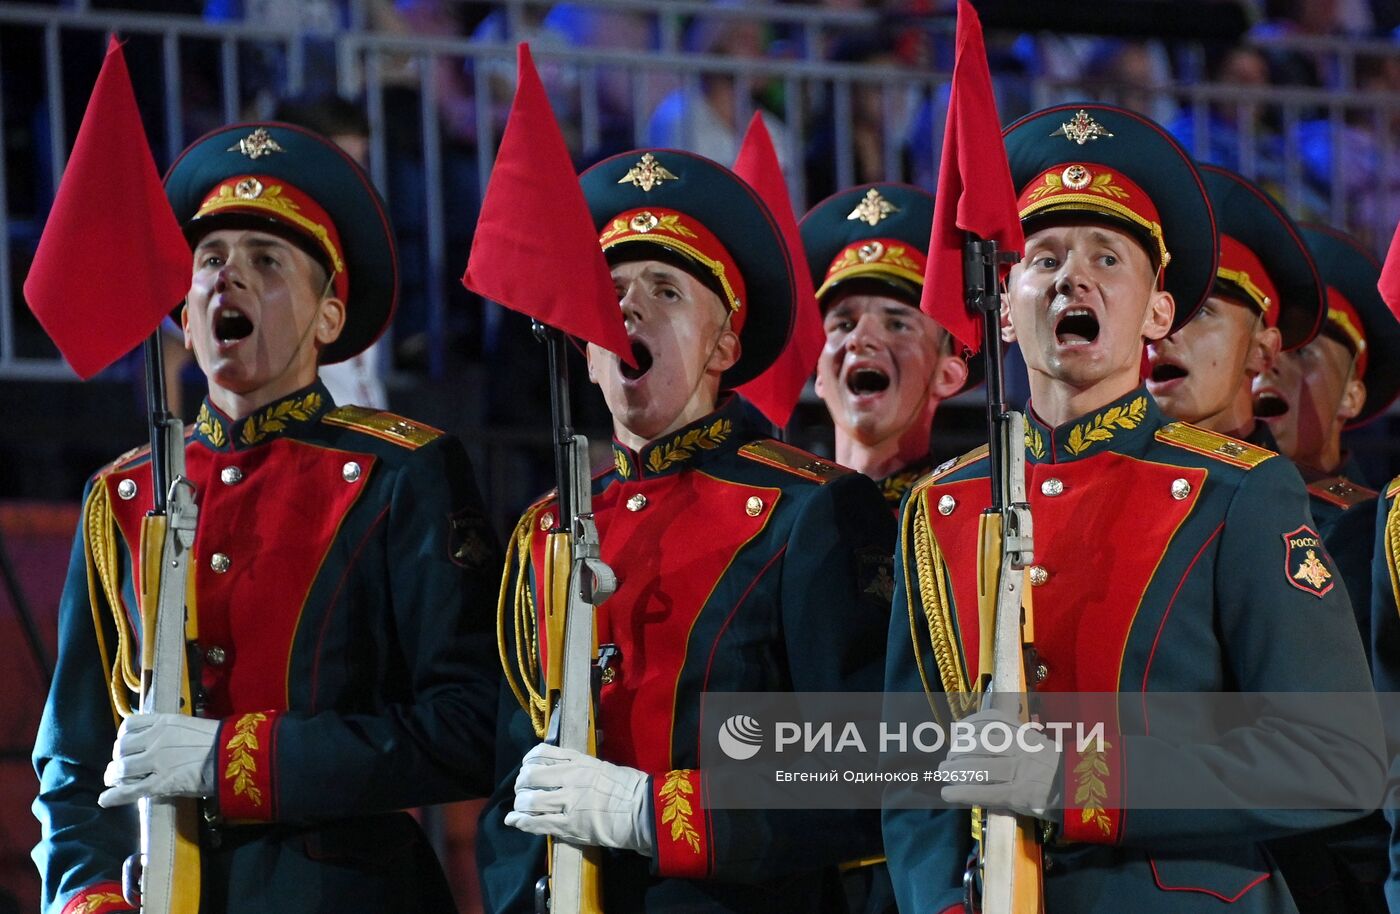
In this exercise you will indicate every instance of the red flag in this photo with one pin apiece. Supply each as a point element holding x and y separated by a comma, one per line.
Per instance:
<point>536,248</point>
<point>775,392</point>
<point>975,193</point>
<point>1390,275</point>
<point>112,261</point>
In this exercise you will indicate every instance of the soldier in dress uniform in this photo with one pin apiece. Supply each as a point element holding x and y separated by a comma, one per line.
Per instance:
<point>1168,558</point>
<point>339,581</point>
<point>886,365</point>
<point>744,564</point>
<point>1267,298</point>
<point>1385,663</point>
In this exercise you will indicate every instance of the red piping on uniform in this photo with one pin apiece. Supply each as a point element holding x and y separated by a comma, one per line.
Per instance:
<point>330,606</point>
<point>1192,888</point>
<point>1170,603</point>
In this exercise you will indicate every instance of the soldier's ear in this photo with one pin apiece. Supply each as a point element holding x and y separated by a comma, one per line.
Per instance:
<point>330,320</point>
<point>1353,398</point>
<point>1157,323</point>
<point>949,375</point>
<point>1008,331</point>
<point>726,351</point>
<point>185,325</point>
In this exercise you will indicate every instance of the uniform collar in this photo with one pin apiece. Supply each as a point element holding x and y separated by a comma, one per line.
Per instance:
<point>896,485</point>
<point>718,434</point>
<point>1124,425</point>
<point>290,415</point>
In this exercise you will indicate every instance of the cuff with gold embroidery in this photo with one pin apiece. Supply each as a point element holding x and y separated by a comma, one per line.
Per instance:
<point>103,898</point>
<point>1093,791</point>
<point>682,825</point>
<point>245,767</point>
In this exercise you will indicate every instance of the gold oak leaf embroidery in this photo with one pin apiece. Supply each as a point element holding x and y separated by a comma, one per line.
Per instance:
<point>684,446</point>
<point>1103,426</point>
<point>1090,794</point>
<point>1034,442</point>
<point>624,466</point>
<point>95,902</point>
<point>275,418</point>
<point>210,427</point>
<point>676,809</point>
<point>241,766</point>
<point>1103,184</point>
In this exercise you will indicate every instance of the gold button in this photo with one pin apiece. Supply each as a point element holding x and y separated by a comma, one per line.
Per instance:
<point>637,502</point>
<point>127,489</point>
<point>215,655</point>
<point>351,471</point>
<point>546,521</point>
<point>754,506</point>
<point>1051,487</point>
<point>1042,671</point>
<point>609,674</point>
<point>1039,575</point>
<point>231,476</point>
<point>1180,489</point>
<point>219,562</point>
<point>946,504</point>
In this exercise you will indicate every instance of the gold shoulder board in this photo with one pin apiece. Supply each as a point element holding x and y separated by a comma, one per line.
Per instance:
<point>1394,488</point>
<point>794,460</point>
<point>1341,491</point>
<point>952,466</point>
<point>1213,444</point>
<point>384,425</point>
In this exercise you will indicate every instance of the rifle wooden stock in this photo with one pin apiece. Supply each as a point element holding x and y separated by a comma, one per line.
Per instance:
<point>169,838</point>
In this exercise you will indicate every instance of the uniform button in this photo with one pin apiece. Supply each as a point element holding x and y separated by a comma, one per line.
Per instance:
<point>609,674</point>
<point>546,522</point>
<point>127,489</point>
<point>351,471</point>
<point>637,502</point>
<point>1042,671</point>
<point>946,504</point>
<point>215,655</point>
<point>754,506</point>
<point>1039,575</point>
<point>231,476</point>
<point>219,562</point>
<point>1051,487</point>
<point>1180,489</point>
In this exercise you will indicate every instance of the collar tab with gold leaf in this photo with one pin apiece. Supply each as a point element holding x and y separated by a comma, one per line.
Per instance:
<point>1119,426</point>
<point>687,447</point>
<point>647,173</point>
<point>872,208</point>
<point>286,416</point>
<point>895,486</point>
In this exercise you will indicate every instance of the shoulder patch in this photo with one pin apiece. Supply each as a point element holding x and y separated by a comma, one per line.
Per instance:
<point>384,425</point>
<point>1340,491</point>
<point>952,466</point>
<point>1394,488</point>
<point>794,460</point>
<point>1213,444</point>
<point>1306,564</point>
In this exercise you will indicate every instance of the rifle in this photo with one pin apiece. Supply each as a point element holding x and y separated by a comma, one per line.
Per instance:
<point>163,878</point>
<point>1008,857</point>
<point>575,581</point>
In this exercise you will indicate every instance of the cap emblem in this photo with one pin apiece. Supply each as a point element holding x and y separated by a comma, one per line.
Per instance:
<point>257,144</point>
<point>647,173</point>
<point>1081,129</point>
<point>872,208</point>
<point>248,189</point>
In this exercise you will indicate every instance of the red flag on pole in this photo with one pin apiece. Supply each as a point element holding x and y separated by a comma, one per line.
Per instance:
<point>1390,275</point>
<point>775,392</point>
<point>536,248</point>
<point>104,275</point>
<point>975,193</point>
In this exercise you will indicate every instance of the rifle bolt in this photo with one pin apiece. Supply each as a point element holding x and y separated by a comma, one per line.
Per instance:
<point>946,504</point>
<point>219,562</point>
<point>127,489</point>
<point>1051,487</point>
<point>637,502</point>
<point>231,476</point>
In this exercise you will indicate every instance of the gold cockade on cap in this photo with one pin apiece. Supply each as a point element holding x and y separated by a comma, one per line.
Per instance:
<point>647,173</point>
<point>872,208</point>
<point>1082,128</point>
<point>257,144</point>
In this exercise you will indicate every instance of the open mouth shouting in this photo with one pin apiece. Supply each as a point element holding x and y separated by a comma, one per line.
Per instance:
<point>1165,374</point>
<point>867,380</point>
<point>1077,327</point>
<point>641,354</point>
<point>230,325</point>
<point>1269,403</point>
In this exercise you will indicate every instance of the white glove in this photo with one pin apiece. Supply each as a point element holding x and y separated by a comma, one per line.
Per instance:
<point>161,755</point>
<point>583,800</point>
<point>1021,779</point>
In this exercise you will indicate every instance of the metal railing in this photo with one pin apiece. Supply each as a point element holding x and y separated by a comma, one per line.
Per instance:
<point>1330,155</point>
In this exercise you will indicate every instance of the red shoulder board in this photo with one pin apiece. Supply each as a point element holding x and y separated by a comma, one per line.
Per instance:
<point>1340,491</point>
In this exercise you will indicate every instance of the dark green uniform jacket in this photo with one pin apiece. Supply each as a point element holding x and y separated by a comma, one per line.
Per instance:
<point>1170,559</point>
<point>342,569</point>
<point>744,565</point>
<point>1385,660</point>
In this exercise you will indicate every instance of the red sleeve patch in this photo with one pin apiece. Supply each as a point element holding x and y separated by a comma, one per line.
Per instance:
<point>1306,564</point>
<point>682,830</point>
<point>98,899</point>
<point>245,767</point>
